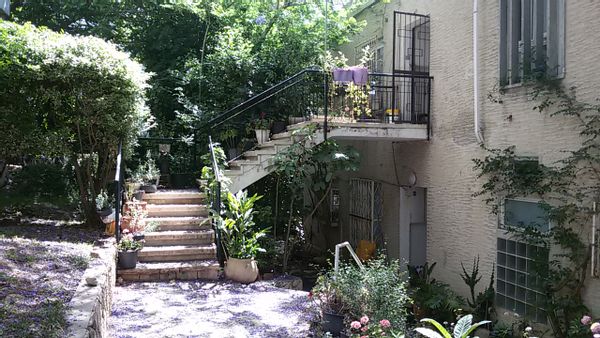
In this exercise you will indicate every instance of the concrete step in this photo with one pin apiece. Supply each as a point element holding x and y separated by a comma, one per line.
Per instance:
<point>233,172</point>
<point>166,271</point>
<point>176,253</point>
<point>245,162</point>
<point>180,237</point>
<point>261,152</point>
<point>176,197</point>
<point>181,223</point>
<point>283,135</point>
<point>176,210</point>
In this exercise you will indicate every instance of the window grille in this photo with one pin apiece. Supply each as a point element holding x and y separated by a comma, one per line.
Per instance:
<point>531,39</point>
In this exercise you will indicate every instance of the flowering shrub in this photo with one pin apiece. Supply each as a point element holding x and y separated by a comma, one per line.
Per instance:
<point>588,326</point>
<point>127,243</point>
<point>377,292</point>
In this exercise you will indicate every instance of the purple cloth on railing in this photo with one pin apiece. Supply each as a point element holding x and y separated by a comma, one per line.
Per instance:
<point>342,75</point>
<point>360,75</point>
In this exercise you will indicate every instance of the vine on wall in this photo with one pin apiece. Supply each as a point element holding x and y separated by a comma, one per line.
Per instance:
<point>567,190</point>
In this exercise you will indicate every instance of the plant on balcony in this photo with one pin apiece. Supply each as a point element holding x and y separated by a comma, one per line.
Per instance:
<point>262,128</point>
<point>240,236</point>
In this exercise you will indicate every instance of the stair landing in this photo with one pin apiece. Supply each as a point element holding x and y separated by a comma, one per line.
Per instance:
<point>183,247</point>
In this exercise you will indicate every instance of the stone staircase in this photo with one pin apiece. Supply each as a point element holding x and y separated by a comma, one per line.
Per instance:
<point>183,247</point>
<point>258,163</point>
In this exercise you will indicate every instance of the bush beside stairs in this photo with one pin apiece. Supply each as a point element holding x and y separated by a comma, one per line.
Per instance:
<point>183,247</point>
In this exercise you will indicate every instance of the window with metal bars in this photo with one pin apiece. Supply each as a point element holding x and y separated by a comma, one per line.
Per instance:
<point>532,35</point>
<point>375,64</point>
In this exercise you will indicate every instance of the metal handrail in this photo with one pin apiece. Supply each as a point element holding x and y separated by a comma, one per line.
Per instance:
<point>216,200</point>
<point>118,187</point>
<point>336,262</point>
<point>256,99</point>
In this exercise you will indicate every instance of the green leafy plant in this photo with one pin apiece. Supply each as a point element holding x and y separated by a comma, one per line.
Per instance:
<point>482,305</point>
<point>308,167</point>
<point>378,291</point>
<point>430,297</point>
<point>240,235</point>
<point>462,329</point>
<point>147,172</point>
<point>103,201</point>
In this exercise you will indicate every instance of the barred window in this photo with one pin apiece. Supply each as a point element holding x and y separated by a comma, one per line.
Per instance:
<point>532,36</point>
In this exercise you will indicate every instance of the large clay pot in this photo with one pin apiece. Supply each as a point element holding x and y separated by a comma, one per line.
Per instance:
<point>241,270</point>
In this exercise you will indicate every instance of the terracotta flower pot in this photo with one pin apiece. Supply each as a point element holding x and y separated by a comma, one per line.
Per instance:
<point>241,270</point>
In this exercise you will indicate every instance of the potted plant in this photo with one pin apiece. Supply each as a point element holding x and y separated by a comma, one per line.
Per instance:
<point>134,218</point>
<point>261,128</point>
<point>148,174</point>
<point>128,249</point>
<point>240,237</point>
<point>328,297</point>
<point>104,204</point>
<point>228,137</point>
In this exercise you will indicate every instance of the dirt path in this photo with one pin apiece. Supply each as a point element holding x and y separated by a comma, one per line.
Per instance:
<point>207,309</point>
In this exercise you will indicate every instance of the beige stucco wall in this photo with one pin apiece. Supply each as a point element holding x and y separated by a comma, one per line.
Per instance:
<point>460,226</point>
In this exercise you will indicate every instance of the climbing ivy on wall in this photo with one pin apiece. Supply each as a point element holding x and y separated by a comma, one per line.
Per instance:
<point>567,190</point>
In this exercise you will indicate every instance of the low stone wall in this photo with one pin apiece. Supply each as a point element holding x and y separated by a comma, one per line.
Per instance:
<point>90,307</point>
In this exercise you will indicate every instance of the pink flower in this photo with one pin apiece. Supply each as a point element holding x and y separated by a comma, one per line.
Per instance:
<point>364,336</point>
<point>364,320</point>
<point>385,323</point>
<point>586,320</point>
<point>364,329</point>
<point>355,325</point>
<point>595,327</point>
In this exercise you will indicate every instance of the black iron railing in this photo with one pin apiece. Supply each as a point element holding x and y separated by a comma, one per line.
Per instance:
<point>215,195</point>
<point>385,98</point>
<point>118,191</point>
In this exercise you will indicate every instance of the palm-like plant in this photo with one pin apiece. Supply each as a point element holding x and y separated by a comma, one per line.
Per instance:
<point>462,329</point>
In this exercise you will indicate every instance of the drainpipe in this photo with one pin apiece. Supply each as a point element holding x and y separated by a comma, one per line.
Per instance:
<point>476,117</point>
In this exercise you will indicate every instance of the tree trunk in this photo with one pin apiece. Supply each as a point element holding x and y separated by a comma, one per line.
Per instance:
<point>286,250</point>
<point>88,200</point>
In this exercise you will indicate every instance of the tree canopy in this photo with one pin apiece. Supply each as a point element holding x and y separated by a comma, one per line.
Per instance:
<point>205,55</point>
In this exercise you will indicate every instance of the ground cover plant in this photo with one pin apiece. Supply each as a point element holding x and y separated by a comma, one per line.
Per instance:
<point>40,268</point>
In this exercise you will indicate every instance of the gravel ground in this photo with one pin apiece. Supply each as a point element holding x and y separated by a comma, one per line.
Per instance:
<point>39,275</point>
<point>209,309</point>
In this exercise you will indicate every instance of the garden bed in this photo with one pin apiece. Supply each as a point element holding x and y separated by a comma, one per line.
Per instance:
<point>40,268</point>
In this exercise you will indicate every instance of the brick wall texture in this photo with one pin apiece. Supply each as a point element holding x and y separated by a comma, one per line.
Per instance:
<point>460,226</point>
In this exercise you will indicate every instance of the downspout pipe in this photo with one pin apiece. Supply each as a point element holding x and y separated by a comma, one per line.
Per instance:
<point>476,111</point>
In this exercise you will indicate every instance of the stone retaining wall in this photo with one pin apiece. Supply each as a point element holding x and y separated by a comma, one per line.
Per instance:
<point>90,308</point>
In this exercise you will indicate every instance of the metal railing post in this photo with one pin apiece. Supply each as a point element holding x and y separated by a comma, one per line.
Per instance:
<point>118,192</point>
<point>336,262</point>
